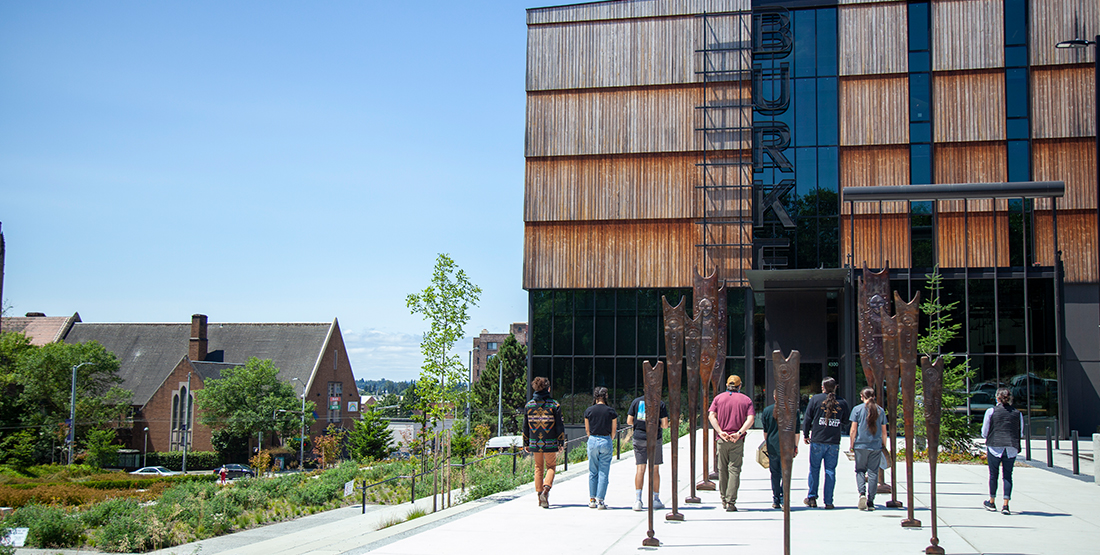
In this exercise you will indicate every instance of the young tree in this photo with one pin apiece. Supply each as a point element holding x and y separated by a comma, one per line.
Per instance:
<point>101,448</point>
<point>327,447</point>
<point>956,432</point>
<point>512,357</point>
<point>370,439</point>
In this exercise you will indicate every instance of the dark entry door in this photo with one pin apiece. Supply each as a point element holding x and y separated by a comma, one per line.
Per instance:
<point>797,320</point>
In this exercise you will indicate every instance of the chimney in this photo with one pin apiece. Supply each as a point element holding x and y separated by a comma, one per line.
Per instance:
<point>197,350</point>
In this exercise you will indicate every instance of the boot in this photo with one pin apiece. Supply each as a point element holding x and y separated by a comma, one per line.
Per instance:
<point>544,497</point>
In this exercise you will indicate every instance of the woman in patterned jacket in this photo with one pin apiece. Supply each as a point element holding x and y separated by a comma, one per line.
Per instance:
<point>543,436</point>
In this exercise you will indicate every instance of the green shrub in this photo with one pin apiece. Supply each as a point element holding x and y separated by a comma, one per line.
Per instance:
<point>48,526</point>
<point>196,460</point>
<point>102,513</point>
<point>135,532</point>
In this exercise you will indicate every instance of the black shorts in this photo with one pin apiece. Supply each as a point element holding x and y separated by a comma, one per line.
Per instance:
<point>641,456</point>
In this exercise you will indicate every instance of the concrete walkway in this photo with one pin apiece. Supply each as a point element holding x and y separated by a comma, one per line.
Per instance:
<point>1053,514</point>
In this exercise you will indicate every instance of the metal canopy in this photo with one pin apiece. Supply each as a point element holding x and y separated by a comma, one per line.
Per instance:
<point>796,280</point>
<point>955,191</point>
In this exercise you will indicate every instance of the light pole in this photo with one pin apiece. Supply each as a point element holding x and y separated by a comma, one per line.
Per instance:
<point>469,388</point>
<point>145,449</point>
<point>500,397</point>
<point>1082,43</point>
<point>302,438</point>
<point>72,413</point>
<point>186,423</point>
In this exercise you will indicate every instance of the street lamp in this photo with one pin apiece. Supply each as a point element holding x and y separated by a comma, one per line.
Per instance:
<point>145,449</point>
<point>302,438</point>
<point>72,414</point>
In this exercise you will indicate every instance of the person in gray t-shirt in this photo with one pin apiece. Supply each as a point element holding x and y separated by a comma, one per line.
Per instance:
<point>868,441</point>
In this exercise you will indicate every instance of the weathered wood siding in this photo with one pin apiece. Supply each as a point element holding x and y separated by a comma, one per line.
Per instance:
<point>1063,102</point>
<point>968,34</point>
<point>879,238</point>
<point>1076,240</point>
<point>626,9</point>
<point>971,163</point>
<point>1069,160</point>
<point>874,110</point>
<point>873,38</point>
<point>609,254</point>
<point>967,240</point>
<point>969,106</point>
<point>620,121</point>
<point>631,52</point>
<point>1053,21</point>
<point>874,166</point>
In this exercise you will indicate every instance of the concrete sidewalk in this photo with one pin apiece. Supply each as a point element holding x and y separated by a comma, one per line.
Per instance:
<point>1053,514</point>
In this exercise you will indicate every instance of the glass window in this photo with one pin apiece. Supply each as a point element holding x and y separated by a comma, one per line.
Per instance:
<point>982,309</point>
<point>735,327</point>
<point>604,373</point>
<point>806,243</point>
<point>1016,231</point>
<point>1044,393</point>
<point>1040,293</point>
<point>827,118</point>
<point>648,330</point>
<point>561,388</point>
<point>954,291</point>
<point>920,62</point>
<point>563,302</point>
<point>1017,128</point>
<point>583,324</point>
<point>1015,22</point>
<point>826,43</point>
<point>829,240</point>
<point>920,97</point>
<point>605,335</point>
<point>1010,316</point>
<point>828,203</point>
<point>805,42</point>
<point>626,384</point>
<point>582,384</point>
<point>827,169</point>
<point>625,333</point>
<point>805,112</point>
<point>918,26</point>
<point>920,164</point>
<point>563,334</point>
<point>1016,56</point>
<point>542,324</point>
<point>805,170</point>
<point>1016,92</point>
<point>920,132</point>
<point>921,236</point>
<point>540,366</point>
<point>1018,161</point>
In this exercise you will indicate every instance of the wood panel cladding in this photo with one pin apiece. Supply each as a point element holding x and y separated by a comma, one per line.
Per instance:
<point>975,239</point>
<point>873,38</point>
<point>874,110</point>
<point>1053,21</point>
<point>631,52</point>
<point>609,254</point>
<point>1063,102</point>
<point>879,238</point>
<point>623,121</point>
<point>596,11</point>
<point>874,166</point>
<point>969,106</point>
<point>971,163</point>
<point>1069,160</point>
<point>1076,240</point>
<point>968,34</point>
<point>617,187</point>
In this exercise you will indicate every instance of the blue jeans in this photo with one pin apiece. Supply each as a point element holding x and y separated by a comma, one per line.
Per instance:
<point>599,463</point>
<point>826,452</point>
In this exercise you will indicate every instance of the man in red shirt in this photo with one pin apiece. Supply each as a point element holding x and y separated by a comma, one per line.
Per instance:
<point>731,416</point>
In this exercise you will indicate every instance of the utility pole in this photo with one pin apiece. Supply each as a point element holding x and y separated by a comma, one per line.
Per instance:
<point>72,414</point>
<point>186,422</point>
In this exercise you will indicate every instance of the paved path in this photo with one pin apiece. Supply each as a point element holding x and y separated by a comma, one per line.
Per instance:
<point>1054,514</point>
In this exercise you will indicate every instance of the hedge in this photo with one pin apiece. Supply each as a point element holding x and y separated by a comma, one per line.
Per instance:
<point>196,460</point>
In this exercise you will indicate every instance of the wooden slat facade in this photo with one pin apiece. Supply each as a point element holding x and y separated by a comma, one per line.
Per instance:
<point>874,166</point>
<point>619,121</point>
<point>1063,104</point>
<point>629,52</point>
<point>1069,160</point>
<point>968,34</point>
<point>609,254</point>
<point>626,9</point>
<point>874,110</point>
<point>969,106</point>
<point>971,163</point>
<point>879,238</point>
<point>873,38</point>
<point>967,240</point>
<point>1053,21</point>
<point>1076,240</point>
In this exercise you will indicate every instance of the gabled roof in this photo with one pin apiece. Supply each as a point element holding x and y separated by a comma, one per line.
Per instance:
<point>148,352</point>
<point>40,329</point>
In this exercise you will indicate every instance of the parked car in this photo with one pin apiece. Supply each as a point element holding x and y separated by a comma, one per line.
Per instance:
<point>236,471</point>
<point>155,471</point>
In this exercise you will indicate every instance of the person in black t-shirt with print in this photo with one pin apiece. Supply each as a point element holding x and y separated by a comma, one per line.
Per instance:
<point>600,424</point>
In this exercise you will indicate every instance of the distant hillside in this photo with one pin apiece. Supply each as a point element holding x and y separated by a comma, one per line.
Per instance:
<point>383,386</point>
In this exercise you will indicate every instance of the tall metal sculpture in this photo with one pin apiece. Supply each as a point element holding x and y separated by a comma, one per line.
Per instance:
<point>653,377</point>
<point>906,322</point>
<point>674,352</point>
<point>786,414</point>
<point>932,380</point>
<point>692,348</point>
<point>706,293</point>
<point>892,373</point>
<point>719,370</point>
<point>874,294</point>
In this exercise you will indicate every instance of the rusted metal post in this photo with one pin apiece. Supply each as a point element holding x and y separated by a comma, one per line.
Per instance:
<point>786,414</point>
<point>674,349</point>
<point>653,376</point>
<point>932,380</point>
<point>906,320</point>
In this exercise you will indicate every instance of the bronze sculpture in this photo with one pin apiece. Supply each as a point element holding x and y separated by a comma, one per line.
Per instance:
<point>653,376</point>
<point>692,347</point>
<point>906,323</point>
<point>892,374</point>
<point>719,370</point>
<point>705,293</point>
<point>786,413</point>
<point>874,294</point>
<point>932,380</point>
<point>674,349</point>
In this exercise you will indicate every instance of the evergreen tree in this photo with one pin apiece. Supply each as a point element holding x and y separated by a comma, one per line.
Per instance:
<point>512,357</point>
<point>370,439</point>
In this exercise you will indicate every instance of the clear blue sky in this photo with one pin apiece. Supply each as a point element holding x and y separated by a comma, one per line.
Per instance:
<point>263,162</point>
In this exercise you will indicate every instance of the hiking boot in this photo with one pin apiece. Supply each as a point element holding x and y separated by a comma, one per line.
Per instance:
<point>989,505</point>
<point>544,497</point>
<point>810,502</point>
<point>863,502</point>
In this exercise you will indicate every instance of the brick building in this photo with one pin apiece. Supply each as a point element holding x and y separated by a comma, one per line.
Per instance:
<point>487,344</point>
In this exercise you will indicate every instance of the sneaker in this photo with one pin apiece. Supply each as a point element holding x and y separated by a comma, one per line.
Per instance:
<point>863,502</point>
<point>638,506</point>
<point>657,505</point>
<point>830,506</point>
<point>731,508</point>
<point>600,506</point>
<point>1005,511</point>
<point>591,503</point>
<point>870,506</point>
<point>777,505</point>
<point>810,502</point>
<point>989,505</point>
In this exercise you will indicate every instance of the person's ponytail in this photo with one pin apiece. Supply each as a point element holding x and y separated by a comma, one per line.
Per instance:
<point>831,405</point>
<point>868,394</point>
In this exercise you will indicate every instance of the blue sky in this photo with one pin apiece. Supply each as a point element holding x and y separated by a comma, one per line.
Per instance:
<point>262,162</point>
